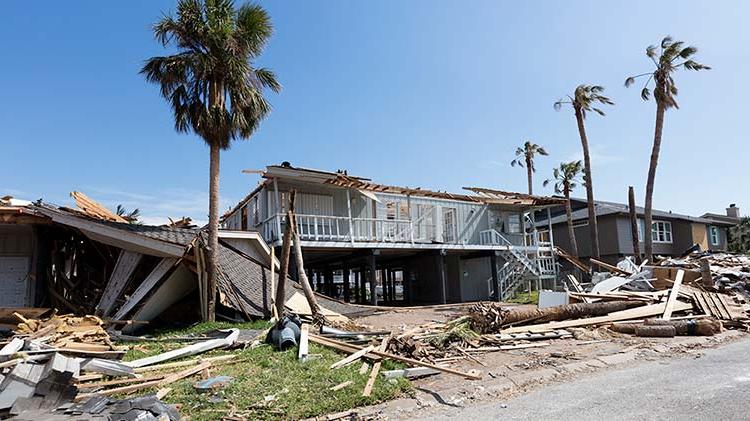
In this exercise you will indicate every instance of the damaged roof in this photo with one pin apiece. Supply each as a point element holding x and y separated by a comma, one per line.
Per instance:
<point>603,208</point>
<point>342,179</point>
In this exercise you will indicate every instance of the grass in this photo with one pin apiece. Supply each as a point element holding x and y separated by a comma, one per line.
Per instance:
<point>525,298</point>
<point>270,384</point>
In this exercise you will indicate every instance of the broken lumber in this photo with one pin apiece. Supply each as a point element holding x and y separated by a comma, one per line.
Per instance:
<point>673,295</point>
<point>489,317</point>
<point>413,361</point>
<point>351,358</point>
<point>610,268</point>
<point>375,370</point>
<point>342,385</point>
<point>632,313</point>
<point>304,342</point>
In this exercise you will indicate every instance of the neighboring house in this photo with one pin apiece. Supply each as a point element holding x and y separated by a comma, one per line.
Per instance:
<point>673,233</point>
<point>368,242</point>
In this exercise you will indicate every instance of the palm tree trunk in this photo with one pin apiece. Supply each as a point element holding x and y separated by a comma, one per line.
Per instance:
<point>593,228</point>
<point>286,247</point>
<point>649,252</point>
<point>634,225</point>
<point>571,230</point>
<point>529,175</point>
<point>213,229</point>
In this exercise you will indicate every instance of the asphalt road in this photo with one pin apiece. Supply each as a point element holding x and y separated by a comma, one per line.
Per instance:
<point>715,386</point>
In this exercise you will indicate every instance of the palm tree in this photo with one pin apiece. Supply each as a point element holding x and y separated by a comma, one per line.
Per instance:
<point>670,57</point>
<point>584,99</point>
<point>565,179</point>
<point>525,158</point>
<point>131,217</point>
<point>213,87</point>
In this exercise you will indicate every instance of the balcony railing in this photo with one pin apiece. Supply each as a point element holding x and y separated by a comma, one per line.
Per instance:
<point>341,228</point>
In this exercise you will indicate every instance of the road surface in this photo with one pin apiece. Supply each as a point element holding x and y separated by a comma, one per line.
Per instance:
<point>715,386</point>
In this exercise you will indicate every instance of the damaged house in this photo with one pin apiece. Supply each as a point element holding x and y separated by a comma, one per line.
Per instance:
<point>91,261</point>
<point>371,243</point>
<point>673,233</point>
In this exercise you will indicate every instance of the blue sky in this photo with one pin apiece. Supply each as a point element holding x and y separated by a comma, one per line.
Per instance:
<point>433,94</point>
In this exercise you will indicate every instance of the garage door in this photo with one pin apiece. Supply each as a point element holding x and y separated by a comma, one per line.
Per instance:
<point>14,273</point>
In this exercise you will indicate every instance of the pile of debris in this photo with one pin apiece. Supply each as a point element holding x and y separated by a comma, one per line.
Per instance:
<point>66,367</point>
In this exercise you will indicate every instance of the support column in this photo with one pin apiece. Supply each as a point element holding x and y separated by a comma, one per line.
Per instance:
<point>442,277</point>
<point>373,279</point>
<point>407,285</point>
<point>346,283</point>
<point>495,280</point>
<point>318,281</point>
<point>328,281</point>
<point>361,277</point>
<point>386,278</point>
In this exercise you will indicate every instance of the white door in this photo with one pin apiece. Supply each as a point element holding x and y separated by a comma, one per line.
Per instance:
<point>14,273</point>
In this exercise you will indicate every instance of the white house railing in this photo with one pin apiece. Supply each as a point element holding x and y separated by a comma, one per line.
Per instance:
<point>341,228</point>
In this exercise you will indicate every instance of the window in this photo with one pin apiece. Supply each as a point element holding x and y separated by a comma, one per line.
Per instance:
<point>715,236</point>
<point>514,223</point>
<point>243,221</point>
<point>661,231</point>
<point>256,211</point>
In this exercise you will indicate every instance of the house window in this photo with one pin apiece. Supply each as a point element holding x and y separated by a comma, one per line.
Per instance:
<point>514,223</point>
<point>715,237</point>
<point>661,231</point>
<point>243,220</point>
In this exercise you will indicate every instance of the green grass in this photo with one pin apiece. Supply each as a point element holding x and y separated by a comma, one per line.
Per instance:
<point>301,389</point>
<point>525,298</point>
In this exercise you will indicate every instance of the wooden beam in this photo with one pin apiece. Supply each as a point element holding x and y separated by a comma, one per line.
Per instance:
<point>673,295</point>
<point>609,267</point>
<point>304,343</point>
<point>145,287</point>
<point>351,358</point>
<point>411,361</point>
<point>375,369</point>
<point>124,267</point>
<point>631,313</point>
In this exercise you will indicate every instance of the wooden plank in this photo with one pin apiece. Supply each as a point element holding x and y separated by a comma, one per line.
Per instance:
<point>414,362</point>
<point>713,310</point>
<point>375,369</point>
<point>124,267</point>
<point>342,385</point>
<point>723,311</point>
<point>351,358</point>
<point>145,287</point>
<point>609,267</point>
<point>631,313</point>
<point>699,303</point>
<point>673,295</point>
<point>148,384</point>
<point>304,342</point>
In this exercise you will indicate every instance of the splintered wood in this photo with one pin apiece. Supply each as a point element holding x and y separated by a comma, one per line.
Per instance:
<point>84,333</point>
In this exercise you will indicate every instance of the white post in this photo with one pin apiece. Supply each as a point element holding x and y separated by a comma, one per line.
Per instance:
<point>549,227</point>
<point>349,212</point>
<point>278,209</point>
<point>411,219</point>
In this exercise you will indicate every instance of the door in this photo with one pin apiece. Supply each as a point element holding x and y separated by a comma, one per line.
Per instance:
<point>14,276</point>
<point>449,225</point>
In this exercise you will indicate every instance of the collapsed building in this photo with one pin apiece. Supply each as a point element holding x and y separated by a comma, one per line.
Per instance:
<point>90,261</point>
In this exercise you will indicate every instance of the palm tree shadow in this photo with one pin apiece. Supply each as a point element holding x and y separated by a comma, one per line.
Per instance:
<point>437,397</point>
